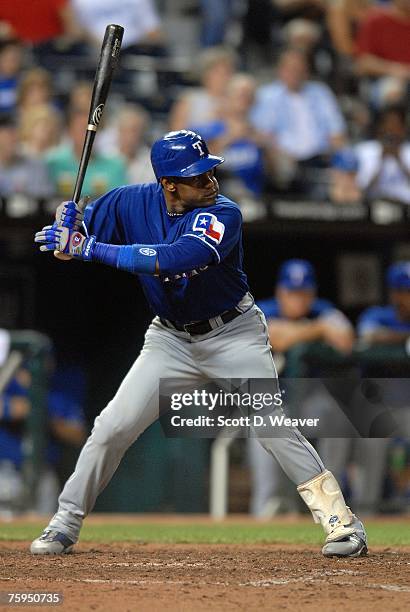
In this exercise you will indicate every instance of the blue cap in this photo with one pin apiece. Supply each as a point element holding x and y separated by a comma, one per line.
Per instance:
<point>345,160</point>
<point>398,275</point>
<point>297,274</point>
<point>182,153</point>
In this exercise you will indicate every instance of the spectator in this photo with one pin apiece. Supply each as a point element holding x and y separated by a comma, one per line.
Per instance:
<point>233,137</point>
<point>302,34</point>
<point>35,89</point>
<point>205,103</point>
<point>80,96</point>
<point>389,324</point>
<point>383,49</point>
<point>49,20</point>
<point>139,18</point>
<point>18,173</point>
<point>40,130</point>
<point>343,186</point>
<point>344,18</point>
<point>302,117</point>
<point>294,316</point>
<point>384,163</point>
<point>216,16</point>
<point>103,173</point>
<point>11,57</point>
<point>128,140</point>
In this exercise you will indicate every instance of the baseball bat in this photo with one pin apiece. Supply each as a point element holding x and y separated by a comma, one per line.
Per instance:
<point>110,51</point>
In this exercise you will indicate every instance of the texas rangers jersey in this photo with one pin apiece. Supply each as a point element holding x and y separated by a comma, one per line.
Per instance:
<point>137,214</point>
<point>376,318</point>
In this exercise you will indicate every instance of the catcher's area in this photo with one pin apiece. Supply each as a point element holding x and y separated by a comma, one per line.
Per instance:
<point>143,576</point>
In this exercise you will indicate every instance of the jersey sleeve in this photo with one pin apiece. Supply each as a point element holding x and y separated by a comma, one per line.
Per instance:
<point>369,321</point>
<point>220,230</point>
<point>103,217</point>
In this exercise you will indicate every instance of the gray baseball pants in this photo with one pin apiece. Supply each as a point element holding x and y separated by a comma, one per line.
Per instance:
<point>238,349</point>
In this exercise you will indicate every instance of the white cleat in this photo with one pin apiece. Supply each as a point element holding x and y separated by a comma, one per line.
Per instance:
<point>51,542</point>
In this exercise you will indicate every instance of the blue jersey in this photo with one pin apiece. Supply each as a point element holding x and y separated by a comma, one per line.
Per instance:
<point>319,308</point>
<point>137,214</point>
<point>376,318</point>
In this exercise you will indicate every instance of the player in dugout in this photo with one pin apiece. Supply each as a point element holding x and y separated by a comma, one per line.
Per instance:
<point>184,241</point>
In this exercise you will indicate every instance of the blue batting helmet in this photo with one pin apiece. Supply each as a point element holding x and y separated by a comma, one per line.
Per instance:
<point>182,153</point>
<point>398,275</point>
<point>297,274</point>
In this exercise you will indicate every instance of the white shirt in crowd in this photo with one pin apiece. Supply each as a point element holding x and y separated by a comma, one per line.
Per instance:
<point>392,181</point>
<point>138,17</point>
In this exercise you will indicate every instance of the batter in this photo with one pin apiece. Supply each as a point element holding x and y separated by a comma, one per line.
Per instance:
<point>184,241</point>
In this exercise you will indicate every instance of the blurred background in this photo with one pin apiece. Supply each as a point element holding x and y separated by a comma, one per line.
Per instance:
<point>307,100</point>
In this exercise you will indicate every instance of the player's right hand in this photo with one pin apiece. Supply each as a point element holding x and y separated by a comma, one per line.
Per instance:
<point>70,215</point>
<point>70,242</point>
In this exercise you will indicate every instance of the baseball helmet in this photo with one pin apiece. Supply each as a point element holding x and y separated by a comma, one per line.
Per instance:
<point>182,153</point>
<point>297,274</point>
<point>398,275</point>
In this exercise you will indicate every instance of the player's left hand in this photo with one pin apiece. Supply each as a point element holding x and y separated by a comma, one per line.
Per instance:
<point>69,214</point>
<point>62,239</point>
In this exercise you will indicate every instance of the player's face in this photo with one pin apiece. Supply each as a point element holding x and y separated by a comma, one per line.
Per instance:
<point>294,303</point>
<point>401,301</point>
<point>197,191</point>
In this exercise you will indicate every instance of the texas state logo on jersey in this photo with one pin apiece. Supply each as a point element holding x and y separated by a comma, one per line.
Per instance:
<point>208,225</point>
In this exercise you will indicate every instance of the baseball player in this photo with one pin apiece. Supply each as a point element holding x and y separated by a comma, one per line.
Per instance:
<point>184,241</point>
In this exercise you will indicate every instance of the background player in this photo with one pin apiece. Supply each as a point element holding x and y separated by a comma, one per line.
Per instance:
<point>183,240</point>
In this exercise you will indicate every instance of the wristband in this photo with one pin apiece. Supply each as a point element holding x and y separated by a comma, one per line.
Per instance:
<point>136,258</point>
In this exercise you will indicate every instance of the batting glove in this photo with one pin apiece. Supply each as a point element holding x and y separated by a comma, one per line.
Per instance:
<point>70,242</point>
<point>69,214</point>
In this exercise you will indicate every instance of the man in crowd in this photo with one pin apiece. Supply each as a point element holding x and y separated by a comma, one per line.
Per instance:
<point>302,117</point>
<point>294,316</point>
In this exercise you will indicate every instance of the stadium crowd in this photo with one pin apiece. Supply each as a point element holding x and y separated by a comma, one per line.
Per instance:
<point>303,98</point>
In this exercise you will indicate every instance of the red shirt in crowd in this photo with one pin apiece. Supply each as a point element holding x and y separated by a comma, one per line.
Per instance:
<point>33,21</point>
<point>385,34</point>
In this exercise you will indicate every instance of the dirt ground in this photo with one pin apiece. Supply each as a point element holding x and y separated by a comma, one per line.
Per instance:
<point>183,577</point>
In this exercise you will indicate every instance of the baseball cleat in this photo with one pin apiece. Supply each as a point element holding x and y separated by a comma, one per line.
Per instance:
<point>352,545</point>
<point>51,542</point>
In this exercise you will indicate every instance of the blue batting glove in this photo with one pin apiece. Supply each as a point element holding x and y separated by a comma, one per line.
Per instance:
<point>70,242</point>
<point>69,215</point>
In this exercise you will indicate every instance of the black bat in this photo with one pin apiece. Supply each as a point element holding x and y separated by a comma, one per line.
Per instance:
<point>110,51</point>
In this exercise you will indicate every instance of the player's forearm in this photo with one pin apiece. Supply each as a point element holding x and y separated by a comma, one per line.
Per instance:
<point>153,259</point>
<point>285,334</point>
<point>371,65</point>
<point>14,408</point>
<point>385,336</point>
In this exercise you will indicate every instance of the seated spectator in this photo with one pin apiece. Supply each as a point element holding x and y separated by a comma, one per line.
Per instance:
<point>40,130</point>
<point>343,188</point>
<point>19,174</point>
<point>302,117</point>
<point>103,173</point>
<point>302,34</point>
<point>389,324</point>
<point>80,96</point>
<point>35,89</point>
<point>142,25</point>
<point>216,16</point>
<point>11,57</point>
<point>384,163</point>
<point>382,46</point>
<point>294,315</point>
<point>52,22</point>
<point>132,125</point>
<point>234,138</point>
<point>204,104</point>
